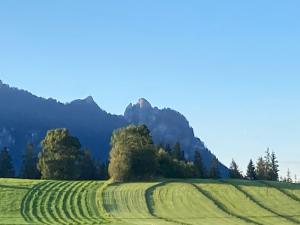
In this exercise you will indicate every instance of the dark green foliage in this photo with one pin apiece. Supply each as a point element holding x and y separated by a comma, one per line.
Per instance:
<point>29,164</point>
<point>132,151</point>
<point>213,171</point>
<point>273,174</point>
<point>6,166</point>
<point>168,149</point>
<point>177,153</point>
<point>198,163</point>
<point>234,171</point>
<point>173,168</point>
<point>102,170</point>
<point>60,156</point>
<point>251,174</point>
<point>260,169</point>
<point>144,163</point>
<point>267,167</point>
<point>88,169</point>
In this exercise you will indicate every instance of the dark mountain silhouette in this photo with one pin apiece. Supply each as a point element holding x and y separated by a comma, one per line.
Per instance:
<point>25,118</point>
<point>168,126</point>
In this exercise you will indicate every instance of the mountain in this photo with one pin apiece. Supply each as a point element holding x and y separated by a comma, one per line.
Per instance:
<point>168,126</point>
<point>25,118</point>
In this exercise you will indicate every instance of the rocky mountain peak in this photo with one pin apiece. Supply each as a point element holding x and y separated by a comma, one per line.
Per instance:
<point>143,103</point>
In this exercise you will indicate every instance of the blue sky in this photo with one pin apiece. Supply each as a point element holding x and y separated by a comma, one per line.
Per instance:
<point>231,67</point>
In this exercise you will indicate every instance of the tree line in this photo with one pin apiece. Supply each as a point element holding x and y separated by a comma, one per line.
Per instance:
<point>133,156</point>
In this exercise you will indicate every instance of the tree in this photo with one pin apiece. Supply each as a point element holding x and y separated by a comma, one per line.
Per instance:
<point>260,169</point>
<point>6,166</point>
<point>177,153</point>
<point>288,177</point>
<point>251,174</point>
<point>60,156</point>
<point>234,171</point>
<point>29,164</point>
<point>132,155</point>
<point>268,165</point>
<point>168,149</point>
<point>214,171</point>
<point>88,170</point>
<point>273,173</point>
<point>198,163</point>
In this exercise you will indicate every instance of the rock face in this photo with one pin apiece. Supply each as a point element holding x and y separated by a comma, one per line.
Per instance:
<point>168,126</point>
<point>26,118</point>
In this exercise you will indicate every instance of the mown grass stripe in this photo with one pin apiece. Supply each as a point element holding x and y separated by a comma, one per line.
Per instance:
<point>35,204</point>
<point>93,199</point>
<point>69,200</point>
<point>58,203</point>
<point>150,203</point>
<point>26,208</point>
<point>252,198</point>
<point>221,206</point>
<point>63,203</point>
<point>84,203</point>
<point>282,190</point>
<point>79,207</point>
<point>51,202</point>
<point>47,206</point>
<point>42,202</point>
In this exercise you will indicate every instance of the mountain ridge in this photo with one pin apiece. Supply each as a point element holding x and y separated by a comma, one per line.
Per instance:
<point>26,117</point>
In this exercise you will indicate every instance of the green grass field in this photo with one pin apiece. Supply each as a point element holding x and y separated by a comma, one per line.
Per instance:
<point>188,202</point>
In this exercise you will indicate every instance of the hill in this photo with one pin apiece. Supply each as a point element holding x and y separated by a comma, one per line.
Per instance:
<point>25,118</point>
<point>163,202</point>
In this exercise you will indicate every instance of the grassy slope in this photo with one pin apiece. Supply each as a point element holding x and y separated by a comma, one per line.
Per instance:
<point>173,202</point>
<point>11,194</point>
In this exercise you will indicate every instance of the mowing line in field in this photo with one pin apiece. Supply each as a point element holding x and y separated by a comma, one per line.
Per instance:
<point>150,203</point>
<point>291,219</point>
<point>93,199</point>
<point>67,203</point>
<point>222,207</point>
<point>288,194</point>
<point>53,202</point>
<point>73,206</point>
<point>63,203</point>
<point>86,201</point>
<point>34,206</point>
<point>45,206</point>
<point>81,210</point>
<point>26,204</point>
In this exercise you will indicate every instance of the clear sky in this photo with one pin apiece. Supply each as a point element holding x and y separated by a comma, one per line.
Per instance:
<point>231,67</point>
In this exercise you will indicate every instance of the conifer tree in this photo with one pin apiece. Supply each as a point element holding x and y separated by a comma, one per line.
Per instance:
<point>234,171</point>
<point>288,177</point>
<point>268,165</point>
<point>198,163</point>
<point>251,174</point>
<point>29,164</point>
<point>273,173</point>
<point>260,169</point>
<point>6,166</point>
<point>214,171</point>
<point>177,153</point>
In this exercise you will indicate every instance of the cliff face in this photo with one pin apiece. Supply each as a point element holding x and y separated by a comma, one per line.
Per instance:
<point>168,126</point>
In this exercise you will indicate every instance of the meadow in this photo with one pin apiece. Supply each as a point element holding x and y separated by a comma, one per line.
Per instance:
<point>166,202</point>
